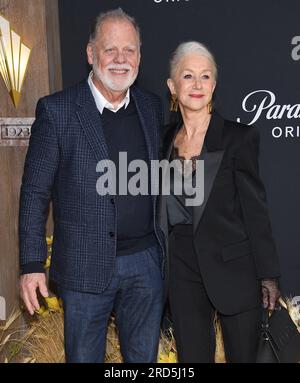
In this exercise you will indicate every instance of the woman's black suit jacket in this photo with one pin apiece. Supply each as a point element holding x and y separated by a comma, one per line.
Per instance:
<point>232,232</point>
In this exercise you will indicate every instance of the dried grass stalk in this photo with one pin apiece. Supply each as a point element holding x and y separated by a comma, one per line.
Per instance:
<point>8,332</point>
<point>43,342</point>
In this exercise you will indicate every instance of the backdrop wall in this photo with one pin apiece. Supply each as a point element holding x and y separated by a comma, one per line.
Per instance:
<point>37,23</point>
<point>257,48</point>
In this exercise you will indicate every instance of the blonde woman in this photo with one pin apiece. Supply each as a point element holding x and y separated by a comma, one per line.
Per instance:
<point>222,256</point>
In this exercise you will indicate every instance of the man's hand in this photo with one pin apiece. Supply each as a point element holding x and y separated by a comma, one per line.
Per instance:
<point>270,293</point>
<point>28,285</point>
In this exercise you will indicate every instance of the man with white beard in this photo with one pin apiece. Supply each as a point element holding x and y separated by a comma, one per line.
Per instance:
<point>107,254</point>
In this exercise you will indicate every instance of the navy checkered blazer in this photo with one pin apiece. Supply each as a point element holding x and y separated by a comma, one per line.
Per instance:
<point>66,144</point>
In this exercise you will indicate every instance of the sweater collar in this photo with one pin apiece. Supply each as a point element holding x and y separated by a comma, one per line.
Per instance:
<point>101,101</point>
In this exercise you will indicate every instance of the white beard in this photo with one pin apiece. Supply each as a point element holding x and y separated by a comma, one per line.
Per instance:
<point>110,83</point>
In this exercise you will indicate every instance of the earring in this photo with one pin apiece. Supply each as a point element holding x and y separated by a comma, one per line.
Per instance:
<point>174,103</point>
<point>210,107</point>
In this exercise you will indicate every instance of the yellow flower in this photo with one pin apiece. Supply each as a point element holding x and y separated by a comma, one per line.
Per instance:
<point>168,358</point>
<point>53,304</point>
<point>42,311</point>
<point>172,357</point>
<point>49,240</point>
<point>48,262</point>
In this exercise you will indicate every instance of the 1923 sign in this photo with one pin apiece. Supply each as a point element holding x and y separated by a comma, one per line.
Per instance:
<point>15,131</point>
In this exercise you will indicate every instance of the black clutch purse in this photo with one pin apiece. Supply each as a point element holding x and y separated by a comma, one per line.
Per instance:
<point>279,338</point>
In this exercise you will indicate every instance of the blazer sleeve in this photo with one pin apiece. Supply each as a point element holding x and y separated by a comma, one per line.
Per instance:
<point>253,201</point>
<point>38,178</point>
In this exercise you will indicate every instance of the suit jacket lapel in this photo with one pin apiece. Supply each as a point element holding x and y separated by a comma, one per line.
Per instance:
<point>166,149</point>
<point>150,128</point>
<point>212,161</point>
<point>90,121</point>
<point>148,121</point>
<point>169,145</point>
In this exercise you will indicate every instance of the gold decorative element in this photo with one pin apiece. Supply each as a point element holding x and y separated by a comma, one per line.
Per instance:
<point>210,107</point>
<point>14,58</point>
<point>174,103</point>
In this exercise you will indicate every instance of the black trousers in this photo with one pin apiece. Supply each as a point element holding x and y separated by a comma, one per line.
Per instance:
<point>192,312</point>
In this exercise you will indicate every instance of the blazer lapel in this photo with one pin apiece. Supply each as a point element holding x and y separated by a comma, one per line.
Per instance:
<point>212,154</point>
<point>148,121</point>
<point>167,144</point>
<point>90,121</point>
<point>170,148</point>
<point>212,161</point>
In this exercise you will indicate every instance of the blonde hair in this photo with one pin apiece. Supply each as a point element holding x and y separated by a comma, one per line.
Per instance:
<point>191,47</point>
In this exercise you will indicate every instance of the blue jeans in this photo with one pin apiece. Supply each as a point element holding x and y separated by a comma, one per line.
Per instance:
<point>135,294</point>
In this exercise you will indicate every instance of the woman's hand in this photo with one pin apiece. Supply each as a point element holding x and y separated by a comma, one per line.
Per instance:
<point>270,293</point>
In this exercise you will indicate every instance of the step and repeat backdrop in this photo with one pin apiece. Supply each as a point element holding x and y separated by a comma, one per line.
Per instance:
<point>257,48</point>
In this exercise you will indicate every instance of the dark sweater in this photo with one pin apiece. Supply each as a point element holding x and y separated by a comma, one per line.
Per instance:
<point>123,133</point>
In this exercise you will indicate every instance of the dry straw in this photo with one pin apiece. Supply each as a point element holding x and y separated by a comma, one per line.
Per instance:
<point>42,342</point>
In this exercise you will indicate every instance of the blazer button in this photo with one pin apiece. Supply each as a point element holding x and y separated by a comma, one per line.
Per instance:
<point>112,201</point>
<point>111,234</point>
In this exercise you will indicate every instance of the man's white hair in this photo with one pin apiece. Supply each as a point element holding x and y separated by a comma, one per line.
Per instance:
<point>114,14</point>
